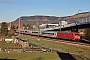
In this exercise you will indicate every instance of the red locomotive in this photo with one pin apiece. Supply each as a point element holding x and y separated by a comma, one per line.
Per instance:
<point>69,35</point>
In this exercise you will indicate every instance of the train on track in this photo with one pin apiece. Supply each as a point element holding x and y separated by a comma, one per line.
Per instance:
<point>53,34</point>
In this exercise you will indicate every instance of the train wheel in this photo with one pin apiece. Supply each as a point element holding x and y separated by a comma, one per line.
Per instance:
<point>77,40</point>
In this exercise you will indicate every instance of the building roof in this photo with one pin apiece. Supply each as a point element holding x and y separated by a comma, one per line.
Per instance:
<point>49,32</point>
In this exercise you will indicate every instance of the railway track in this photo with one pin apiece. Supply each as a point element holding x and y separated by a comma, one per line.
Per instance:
<point>67,42</point>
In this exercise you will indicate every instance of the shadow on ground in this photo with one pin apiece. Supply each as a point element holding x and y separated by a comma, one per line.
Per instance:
<point>65,56</point>
<point>7,59</point>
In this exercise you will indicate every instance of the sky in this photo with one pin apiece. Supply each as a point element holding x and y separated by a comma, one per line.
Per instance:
<point>10,10</point>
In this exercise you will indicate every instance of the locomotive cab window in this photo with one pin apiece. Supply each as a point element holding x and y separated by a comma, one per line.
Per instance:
<point>76,34</point>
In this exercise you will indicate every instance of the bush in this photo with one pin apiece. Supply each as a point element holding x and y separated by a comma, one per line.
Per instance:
<point>87,33</point>
<point>38,58</point>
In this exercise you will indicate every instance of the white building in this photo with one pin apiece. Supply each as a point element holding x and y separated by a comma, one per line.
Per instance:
<point>49,25</point>
<point>62,23</point>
